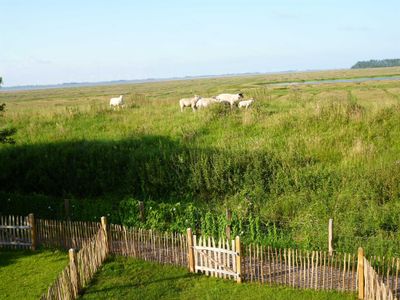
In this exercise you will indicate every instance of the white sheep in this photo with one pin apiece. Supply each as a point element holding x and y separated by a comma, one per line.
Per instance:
<point>230,98</point>
<point>204,102</point>
<point>117,102</point>
<point>245,103</point>
<point>189,102</point>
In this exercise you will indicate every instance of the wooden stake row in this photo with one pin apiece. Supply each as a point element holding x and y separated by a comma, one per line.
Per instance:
<point>165,248</point>
<point>298,268</point>
<point>374,286</point>
<point>387,268</point>
<point>16,232</point>
<point>65,234</point>
<point>80,270</point>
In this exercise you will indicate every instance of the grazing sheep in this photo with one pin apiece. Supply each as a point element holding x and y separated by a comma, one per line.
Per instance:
<point>189,102</point>
<point>204,102</point>
<point>117,102</point>
<point>245,103</point>
<point>230,98</point>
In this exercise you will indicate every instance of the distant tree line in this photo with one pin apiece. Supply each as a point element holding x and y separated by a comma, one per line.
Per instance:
<point>377,63</point>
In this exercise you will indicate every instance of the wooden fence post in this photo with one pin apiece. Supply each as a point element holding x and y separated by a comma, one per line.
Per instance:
<point>141,212</point>
<point>238,260</point>
<point>228,227</point>
<point>330,237</point>
<point>190,251</point>
<point>31,221</point>
<point>360,272</point>
<point>73,265</point>
<point>104,226</point>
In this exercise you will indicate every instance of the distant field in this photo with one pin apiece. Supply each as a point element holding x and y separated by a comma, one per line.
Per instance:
<point>123,278</point>
<point>299,156</point>
<point>27,274</point>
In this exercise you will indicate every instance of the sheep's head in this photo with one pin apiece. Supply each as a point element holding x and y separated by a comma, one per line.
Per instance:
<point>240,96</point>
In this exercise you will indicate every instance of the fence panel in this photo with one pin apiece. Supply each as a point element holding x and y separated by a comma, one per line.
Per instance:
<point>300,269</point>
<point>165,248</point>
<point>65,234</point>
<point>387,269</point>
<point>374,286</point>
<point>15,232</point>
<point>92,254</point>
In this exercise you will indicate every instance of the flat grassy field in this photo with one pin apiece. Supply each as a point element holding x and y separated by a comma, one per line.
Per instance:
<point>299,156</point>
<point>126,278</point>
<point>27,274</point>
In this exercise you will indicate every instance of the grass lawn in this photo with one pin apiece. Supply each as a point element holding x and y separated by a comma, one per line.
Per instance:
<point>26,274</point>
<point>127,278</point>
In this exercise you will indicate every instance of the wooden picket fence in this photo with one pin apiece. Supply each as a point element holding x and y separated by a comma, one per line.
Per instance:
<point>80,270</point>
<point>374,286</point>
<point>299,268</point>
<point>16,232</point>
<point>373,278</point>
<point>65,234</point>
<point>22,232</point>
<point>150,245</point>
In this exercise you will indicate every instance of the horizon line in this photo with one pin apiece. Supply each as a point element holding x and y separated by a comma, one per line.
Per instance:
<point>149,79</point>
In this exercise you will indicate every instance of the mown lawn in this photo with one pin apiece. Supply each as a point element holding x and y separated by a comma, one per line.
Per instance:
<point>26,274</point>
<point>127,278</point>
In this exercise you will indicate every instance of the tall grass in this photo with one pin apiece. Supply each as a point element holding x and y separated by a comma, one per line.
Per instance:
<point>300,156</point>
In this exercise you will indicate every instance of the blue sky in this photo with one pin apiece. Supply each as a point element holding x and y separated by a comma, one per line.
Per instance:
<point>43,42</point>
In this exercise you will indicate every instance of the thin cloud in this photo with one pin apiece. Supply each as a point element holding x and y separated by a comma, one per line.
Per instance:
<point>355,28</point>
<point>40,61</point>
<point>286,16</point>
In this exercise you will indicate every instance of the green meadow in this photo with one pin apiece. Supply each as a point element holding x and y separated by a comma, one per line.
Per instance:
<point>300,155</point>
<point>26,274</point>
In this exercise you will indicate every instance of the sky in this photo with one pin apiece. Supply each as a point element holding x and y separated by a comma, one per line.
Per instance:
<point>50,42</point>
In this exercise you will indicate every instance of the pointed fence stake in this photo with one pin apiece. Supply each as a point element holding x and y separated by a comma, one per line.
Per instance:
<point>330,237</point>
<point>360,272</point>
<point>31,220</point>
<point>190,250</point>
<point>73,263</point>
<point>104,226</point>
